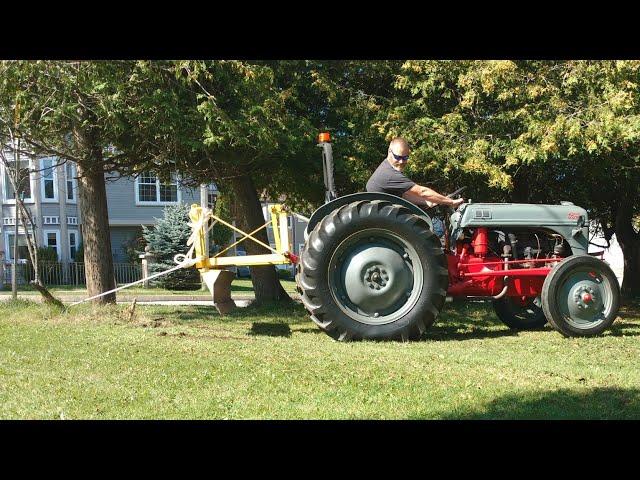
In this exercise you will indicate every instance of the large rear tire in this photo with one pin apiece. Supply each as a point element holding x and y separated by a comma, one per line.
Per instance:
<point>581,296</point>
<point>373,270</point>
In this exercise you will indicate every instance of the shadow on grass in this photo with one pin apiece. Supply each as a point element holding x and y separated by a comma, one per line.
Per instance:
<point>467,321</point>
<point>565,404</point>
<point>458,321</point>
<point>270,329</point>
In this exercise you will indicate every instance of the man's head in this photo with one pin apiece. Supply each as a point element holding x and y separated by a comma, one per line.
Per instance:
<point>398,154</point>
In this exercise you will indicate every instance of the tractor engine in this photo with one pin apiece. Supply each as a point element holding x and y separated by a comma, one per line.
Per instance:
<point>488,243</point>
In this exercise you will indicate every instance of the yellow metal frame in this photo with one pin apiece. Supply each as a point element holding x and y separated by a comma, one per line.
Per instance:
<point>280,256</point>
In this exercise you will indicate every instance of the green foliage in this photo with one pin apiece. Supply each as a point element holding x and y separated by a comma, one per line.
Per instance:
<point>519,128</point>
<point>220,235</point>
<point>284,274</point>
<point>168,238</point>
<point>79,256</point>
<point>59,99</point>
<point>47,254</point>
<point>134,247</point>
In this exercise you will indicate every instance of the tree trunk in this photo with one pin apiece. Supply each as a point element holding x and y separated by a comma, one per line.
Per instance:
<point>629,241</point>
<point>521,188</point>
<point>265,281</point>
<point>98,260</point>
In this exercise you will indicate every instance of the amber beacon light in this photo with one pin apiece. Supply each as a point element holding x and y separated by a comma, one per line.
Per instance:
<point>324,137</point>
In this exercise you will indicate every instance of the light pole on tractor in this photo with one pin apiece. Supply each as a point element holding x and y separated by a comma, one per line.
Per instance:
<point>324,142</point>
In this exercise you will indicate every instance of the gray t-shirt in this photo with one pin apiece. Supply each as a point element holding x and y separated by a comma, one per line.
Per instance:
<point>387,179</point>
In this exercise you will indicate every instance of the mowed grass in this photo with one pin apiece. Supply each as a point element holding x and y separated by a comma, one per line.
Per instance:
<point>273,363</point>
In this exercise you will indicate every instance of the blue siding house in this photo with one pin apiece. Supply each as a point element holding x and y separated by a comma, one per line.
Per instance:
<point>51,196</point>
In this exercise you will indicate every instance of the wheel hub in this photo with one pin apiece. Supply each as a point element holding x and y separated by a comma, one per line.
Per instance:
<point>376,277</point>
<point>586,300</point>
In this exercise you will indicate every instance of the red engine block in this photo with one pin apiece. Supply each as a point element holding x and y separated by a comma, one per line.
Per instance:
<point>475,272</point>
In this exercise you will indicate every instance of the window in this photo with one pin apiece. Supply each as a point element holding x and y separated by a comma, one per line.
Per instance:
<point>72,220</point>
<point>23,250</point>
<point>52,239</point>
<point>70,174</point>
<point>49,180</point>
<point>24,182</point>
<point>212,195</point>
<point>150,190</point>
<point>51,220</point>
<point>73,244</point>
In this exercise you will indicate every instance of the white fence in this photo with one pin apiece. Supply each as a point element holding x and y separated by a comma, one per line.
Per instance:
<point>59,273</point>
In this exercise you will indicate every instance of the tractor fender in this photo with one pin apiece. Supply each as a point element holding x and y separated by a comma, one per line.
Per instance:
<point>327,208</point>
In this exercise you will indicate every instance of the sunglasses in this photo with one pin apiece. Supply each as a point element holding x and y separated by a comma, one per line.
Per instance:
<point>404,158</point>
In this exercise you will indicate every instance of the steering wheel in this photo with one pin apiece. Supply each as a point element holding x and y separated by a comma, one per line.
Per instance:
<point>460,190</point>
<point>451,195</point>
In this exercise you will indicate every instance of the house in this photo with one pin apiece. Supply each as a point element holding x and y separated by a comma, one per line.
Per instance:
<point>51,195</point>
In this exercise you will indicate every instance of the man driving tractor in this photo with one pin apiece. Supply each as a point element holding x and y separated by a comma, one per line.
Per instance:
<point>388,178</point>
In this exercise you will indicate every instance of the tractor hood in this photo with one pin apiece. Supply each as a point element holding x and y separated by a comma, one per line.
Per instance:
<point>521,214</point>
<point>566,219</point>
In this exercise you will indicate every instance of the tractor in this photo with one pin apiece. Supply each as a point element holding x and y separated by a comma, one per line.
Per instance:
<point>373,268</point>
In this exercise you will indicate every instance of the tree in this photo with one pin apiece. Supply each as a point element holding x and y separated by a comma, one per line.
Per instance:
<point>72,110</point>
<point>230,122</point>
<point>166,239</point>
<point>18,179</point>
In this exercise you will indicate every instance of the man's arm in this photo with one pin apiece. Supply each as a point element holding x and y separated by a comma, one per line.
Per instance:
<point>426,196</point>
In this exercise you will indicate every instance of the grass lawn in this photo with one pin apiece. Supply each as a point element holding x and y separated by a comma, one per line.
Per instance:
<point>273,363</point>
<point>239,286</point>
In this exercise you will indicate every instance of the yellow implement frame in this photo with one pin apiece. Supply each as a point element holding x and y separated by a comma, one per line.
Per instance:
<point>217,279</point>
<point>280,255</point>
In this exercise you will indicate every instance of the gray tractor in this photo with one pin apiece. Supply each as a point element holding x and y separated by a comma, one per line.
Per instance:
<point>373,268</point>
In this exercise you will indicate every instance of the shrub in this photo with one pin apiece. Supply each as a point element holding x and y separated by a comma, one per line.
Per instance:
<point>168,238</point>
<point>284,274</point>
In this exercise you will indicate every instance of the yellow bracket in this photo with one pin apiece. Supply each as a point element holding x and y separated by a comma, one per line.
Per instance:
<point>198,224</point>
<point>280,234</point>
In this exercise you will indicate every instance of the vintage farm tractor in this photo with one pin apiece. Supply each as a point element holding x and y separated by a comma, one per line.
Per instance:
<point>373,268</point>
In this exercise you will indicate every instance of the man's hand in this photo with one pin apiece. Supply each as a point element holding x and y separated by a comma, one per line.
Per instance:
<point>424,195</point>
<point>457,202</point>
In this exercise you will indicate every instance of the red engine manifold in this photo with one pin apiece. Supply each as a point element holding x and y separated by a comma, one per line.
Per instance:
<point>477,273</point>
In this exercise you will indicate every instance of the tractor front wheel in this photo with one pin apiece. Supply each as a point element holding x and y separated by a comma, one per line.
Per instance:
<point>373,270</point>
<point>581,296</point>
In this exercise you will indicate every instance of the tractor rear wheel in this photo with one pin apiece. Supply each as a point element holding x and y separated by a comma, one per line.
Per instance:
<point>520,317</point>
<point>373,270</point>
<point>581,296</point>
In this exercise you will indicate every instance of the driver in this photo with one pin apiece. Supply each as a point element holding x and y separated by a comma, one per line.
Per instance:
<point>388,178</point>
